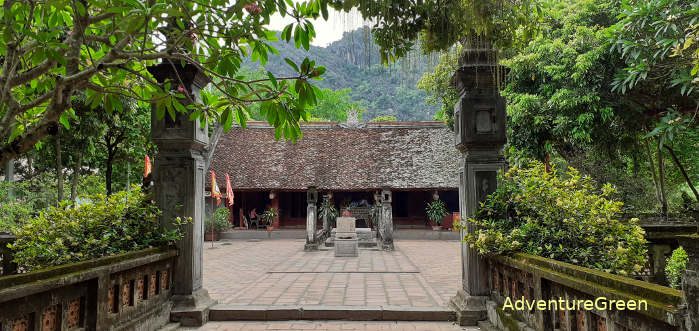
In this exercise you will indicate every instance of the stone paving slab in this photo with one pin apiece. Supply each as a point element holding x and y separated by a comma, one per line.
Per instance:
<point>279,273</point>
<point>369,260</point>
<point>332,325</point>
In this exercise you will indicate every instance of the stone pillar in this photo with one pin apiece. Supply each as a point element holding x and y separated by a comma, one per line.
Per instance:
<point>377,201</point>
<point>178,190</point>
<point>479,121</point>
<point>311,220</point>
<point>386,221</point>
<point>658,253</point>
<point>690,281</point>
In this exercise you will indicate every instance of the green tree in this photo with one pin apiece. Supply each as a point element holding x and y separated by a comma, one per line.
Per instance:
<point>333,105</point>
<point>55,48</point>
<point>437,85</point>
<point>656,41</point>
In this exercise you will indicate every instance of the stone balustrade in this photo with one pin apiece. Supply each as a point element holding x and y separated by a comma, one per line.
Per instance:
<point>533,278</point>
<point>123,292</point>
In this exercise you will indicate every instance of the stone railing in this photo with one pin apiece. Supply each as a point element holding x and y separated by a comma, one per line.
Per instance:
<point>7,267</point>
<point>124,292</point>
<point>645,307</point>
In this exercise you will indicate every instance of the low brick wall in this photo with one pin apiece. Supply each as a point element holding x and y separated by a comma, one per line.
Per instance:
<point>532,278</point>
<point>123,292</point>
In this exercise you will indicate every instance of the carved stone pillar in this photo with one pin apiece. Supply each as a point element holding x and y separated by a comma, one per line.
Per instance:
<point>479,120</point>
<point>386,221</point>
<point>311,220</point>
<point>178,190</point>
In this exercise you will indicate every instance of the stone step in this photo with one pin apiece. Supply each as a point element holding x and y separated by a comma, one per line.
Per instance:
<point>170,327</point>
<point>349,313</point>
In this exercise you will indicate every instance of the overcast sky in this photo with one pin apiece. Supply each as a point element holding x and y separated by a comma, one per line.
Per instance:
<point>326,31</point>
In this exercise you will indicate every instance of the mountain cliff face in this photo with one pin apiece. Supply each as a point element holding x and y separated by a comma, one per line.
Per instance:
<point>354,62</point>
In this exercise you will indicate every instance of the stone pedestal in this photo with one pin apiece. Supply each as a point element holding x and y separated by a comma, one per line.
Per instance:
<point>386,221</point>
<point>469,309</point>
<point>178,176</point>
<point>311,220</point>
<point>690,281</point>
<point>346,247</point>
<point>346,243</point>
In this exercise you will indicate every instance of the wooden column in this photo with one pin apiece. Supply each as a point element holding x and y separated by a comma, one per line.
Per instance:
<point>275,205</point>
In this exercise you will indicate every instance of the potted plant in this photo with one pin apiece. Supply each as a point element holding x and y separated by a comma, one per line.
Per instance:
<point>268,218</point>
<point>436,210</point>
<point>326,209</point>
<point>221,224</point>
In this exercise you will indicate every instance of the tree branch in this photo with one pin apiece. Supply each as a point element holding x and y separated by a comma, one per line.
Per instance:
<point>211,147</point>
<point>33,73</point>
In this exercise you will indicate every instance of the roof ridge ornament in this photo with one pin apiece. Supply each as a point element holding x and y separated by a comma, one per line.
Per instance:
<point>353,121</point>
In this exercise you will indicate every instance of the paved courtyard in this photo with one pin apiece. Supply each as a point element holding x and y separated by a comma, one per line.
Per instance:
<point>419,273</point>
<point>332,325</point>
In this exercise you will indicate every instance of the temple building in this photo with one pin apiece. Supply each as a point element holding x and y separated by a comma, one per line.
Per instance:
<point>346,162</point>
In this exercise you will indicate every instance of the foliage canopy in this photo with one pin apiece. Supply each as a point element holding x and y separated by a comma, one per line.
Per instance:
<point>54,48</point>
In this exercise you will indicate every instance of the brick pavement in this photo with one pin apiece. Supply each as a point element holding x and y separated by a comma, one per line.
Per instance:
<point>332,325</point>
<point>278,272</point>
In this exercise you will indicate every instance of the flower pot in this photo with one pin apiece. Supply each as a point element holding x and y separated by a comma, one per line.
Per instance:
<point>210,237</point>
<point>270,228</point>
<point>436,227</point>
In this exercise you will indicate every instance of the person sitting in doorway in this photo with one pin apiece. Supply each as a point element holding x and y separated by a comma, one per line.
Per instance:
<point>254,218</point>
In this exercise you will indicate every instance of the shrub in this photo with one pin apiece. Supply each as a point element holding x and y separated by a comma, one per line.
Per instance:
<point>105,226</point>
<point>221,223</point>
<point>565,219</point>
<point>436,210</point>
<point>675,266</point>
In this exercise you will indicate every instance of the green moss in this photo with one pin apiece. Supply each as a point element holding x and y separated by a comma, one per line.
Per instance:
<point>662,301</point>
<point>508,321</point>
<point>77,268</point>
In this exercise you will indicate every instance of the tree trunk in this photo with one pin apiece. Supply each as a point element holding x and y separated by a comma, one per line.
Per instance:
<point>634,156</point>
<point>661,175</point>
<point>108,174</point>
<point>652,171</point>
<point>683,171</point>
<point>547,163</point>
<point>10,177</point>
<point>76,178</point>
<point>59,167</point>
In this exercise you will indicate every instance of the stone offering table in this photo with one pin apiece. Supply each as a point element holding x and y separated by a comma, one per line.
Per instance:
<point>346,244</point>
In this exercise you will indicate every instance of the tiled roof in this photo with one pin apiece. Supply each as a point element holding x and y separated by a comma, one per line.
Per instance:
<point>395,155</point>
